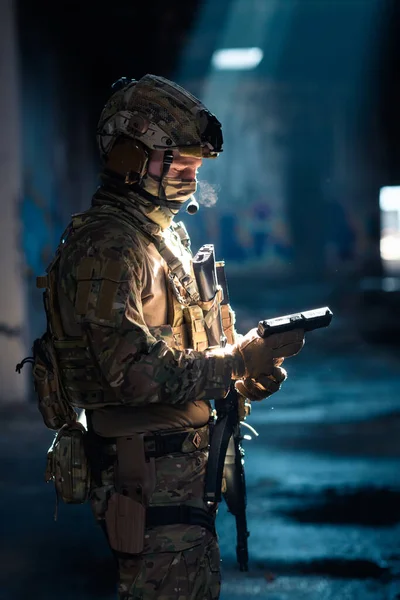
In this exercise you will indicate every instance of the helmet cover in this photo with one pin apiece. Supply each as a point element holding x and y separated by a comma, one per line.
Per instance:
<point>162,116</point>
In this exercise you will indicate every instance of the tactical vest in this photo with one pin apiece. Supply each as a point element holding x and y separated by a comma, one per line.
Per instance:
<point>65,372</point>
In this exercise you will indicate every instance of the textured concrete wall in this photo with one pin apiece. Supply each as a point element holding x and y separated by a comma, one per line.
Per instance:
<point>58,162</point>
<point>12,299</point>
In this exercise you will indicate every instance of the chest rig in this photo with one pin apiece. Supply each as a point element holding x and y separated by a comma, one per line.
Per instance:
<point>64,370</point>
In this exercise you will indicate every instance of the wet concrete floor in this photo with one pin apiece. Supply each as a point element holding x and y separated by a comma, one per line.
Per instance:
<point>323,490</point>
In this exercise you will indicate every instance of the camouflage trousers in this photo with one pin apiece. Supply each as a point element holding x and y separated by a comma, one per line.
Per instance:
<point>178,562</point>
<point>191,574</point>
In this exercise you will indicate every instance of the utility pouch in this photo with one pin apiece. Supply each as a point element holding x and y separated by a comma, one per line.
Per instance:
<point>52,405</point>
<point>67,464</point>
<point>194,319</point>
<point>135,479</point>
<point>228,323</point>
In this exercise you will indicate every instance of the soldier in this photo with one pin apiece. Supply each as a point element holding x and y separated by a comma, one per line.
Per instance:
<point>132,348</point>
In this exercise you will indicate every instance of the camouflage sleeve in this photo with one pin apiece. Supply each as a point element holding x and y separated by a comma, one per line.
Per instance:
<point>140,368</point>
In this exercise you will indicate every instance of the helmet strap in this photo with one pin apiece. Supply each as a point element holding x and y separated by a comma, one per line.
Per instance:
<point>167,162</point>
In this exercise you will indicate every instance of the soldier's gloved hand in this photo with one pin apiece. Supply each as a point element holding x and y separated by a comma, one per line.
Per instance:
<point>260,358</point>
<point>263,387</point>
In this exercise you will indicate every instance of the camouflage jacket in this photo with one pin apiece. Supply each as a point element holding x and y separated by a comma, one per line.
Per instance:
<point>133,353</point>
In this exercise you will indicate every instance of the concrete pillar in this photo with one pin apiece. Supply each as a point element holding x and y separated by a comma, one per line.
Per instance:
<point>13,387</point>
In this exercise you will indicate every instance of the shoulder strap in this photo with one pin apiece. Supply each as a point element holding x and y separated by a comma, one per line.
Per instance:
<point>176,268</point>
<point>182,233</point>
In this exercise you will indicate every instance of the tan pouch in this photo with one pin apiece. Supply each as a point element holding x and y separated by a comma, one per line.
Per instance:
<point>194,319</point>
<point>67,464</point>
<point>228,323</point>
<point>125,522</point>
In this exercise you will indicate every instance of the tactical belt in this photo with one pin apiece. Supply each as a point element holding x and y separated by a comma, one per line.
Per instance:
<point>162,442</point>
<point>172,515</point>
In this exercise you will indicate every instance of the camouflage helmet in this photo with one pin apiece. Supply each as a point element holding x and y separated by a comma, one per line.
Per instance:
<point>161,115</point>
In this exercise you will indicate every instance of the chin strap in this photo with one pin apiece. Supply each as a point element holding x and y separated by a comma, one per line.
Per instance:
<point>162,200</point>
<point>167,162</point>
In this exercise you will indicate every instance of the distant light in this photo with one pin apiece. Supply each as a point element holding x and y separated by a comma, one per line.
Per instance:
<point>241,59</point>
<point>389,202</point>
<point>389,198</point>
<point>390,247</point>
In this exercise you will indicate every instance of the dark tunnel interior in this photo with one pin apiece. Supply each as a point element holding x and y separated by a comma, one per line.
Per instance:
<point>303,205</point>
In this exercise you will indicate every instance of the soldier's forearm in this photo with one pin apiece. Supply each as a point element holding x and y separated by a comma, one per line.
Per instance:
<point>142,370</point>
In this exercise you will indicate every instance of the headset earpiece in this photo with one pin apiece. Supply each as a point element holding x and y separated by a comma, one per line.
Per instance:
<point>129,158</point>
